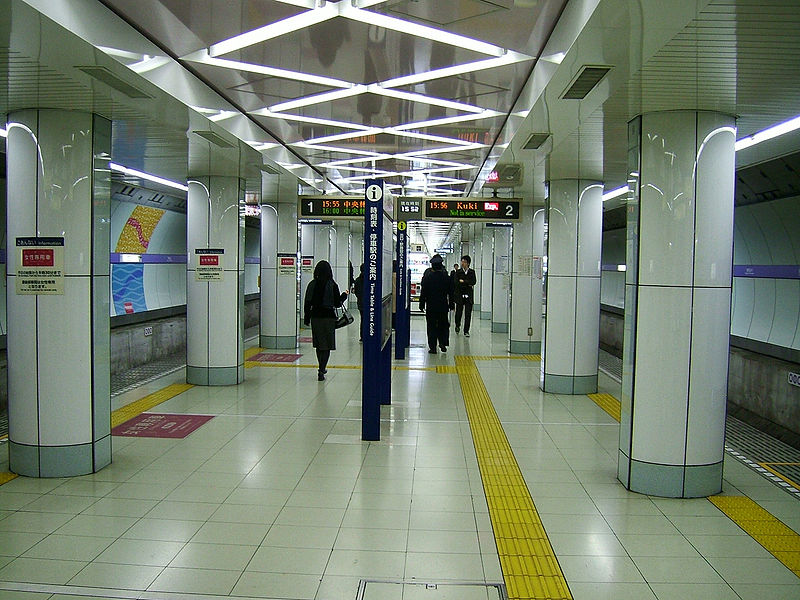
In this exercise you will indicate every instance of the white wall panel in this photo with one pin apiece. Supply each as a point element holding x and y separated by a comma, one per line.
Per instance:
<point>65,207</point>
<point>64,401</point>
<point>23,368</point>
<point>776,235</point>
<point>763,309</point>
<point>196,315</point>
<point>709,376</point>
<point>788,211</point>
<point>661,399</point>
<point>562,227</point>
<point>787,312</point>
<point>560,342</point>
<point>587,319</point>
<point>223,321</point>
<point>744,297</point>
<point>666,217</point>
<point>590,229</point>
<point>714,200</point>
<point>752,236</point>
<point>169,236</point>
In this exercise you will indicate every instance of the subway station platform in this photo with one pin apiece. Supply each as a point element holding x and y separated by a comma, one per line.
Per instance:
<point>481,487</point>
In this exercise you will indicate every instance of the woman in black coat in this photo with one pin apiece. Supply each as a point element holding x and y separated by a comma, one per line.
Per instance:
<point>322,296</point>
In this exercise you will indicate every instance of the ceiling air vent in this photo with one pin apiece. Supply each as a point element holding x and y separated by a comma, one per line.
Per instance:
<point>535,140</point>
<point>585,81</point>
<point>111,80</point>
<point>214,138</point>
<point>505,176</point>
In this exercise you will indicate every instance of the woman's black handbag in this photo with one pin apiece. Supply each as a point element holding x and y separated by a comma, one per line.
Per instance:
<point>345,318</point>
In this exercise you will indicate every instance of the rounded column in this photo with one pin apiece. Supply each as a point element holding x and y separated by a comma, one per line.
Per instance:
<point>215,272</point>
<point>59,201</point>
<point>525,333</point>
<point>677,303</point>
<point>571,328</point>
<point>486,280</point>
<point>279,321</point>
<point>501,279</point>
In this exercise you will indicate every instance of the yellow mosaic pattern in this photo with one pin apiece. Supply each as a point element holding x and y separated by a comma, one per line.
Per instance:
<point>135,235</point>
<point>608,403</point>
<point>119,416</point>
<point>780,540</point>
<point>530,568</point>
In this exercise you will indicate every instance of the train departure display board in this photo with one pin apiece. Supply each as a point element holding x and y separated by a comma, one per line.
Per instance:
<point>331,207</point>
<point>478,209</point>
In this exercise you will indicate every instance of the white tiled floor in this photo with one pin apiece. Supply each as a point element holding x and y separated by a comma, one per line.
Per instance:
<point>277,497</point>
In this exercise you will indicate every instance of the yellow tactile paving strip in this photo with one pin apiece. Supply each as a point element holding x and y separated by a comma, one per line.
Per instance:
<point>608,403</point>
<point>530,568</point>
<point>119,416</point>
<point>6,477</point>
<point>780,540</point>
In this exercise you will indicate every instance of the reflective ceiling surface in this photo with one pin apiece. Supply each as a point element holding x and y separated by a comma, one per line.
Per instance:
<point>412,91</point>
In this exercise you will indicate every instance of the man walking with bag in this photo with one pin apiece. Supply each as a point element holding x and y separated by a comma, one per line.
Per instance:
<point>465,280</point>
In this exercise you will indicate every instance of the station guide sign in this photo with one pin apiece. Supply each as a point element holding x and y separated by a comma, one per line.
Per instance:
<point>40,265</point>
<point>414,208</point>
<point>497,210</point>
<point>209,264</point>
<point>331,207</point>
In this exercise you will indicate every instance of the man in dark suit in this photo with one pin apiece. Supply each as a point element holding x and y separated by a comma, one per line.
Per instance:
<point>465,281</point>
<point>436,299</point>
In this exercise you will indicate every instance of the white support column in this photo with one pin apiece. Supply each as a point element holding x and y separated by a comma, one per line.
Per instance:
<point>59,201</point>
<point>279,320</point>
<point>477,233</point>
<point>486,279</point>
<point>501,280</point>
<point>526,298</point>
<point>571,327</point>
<point>340,260</point>
<point>215,307</point>
<point>677,303</point>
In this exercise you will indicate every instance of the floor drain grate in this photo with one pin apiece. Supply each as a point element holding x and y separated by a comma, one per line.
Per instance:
<point>421,590</point>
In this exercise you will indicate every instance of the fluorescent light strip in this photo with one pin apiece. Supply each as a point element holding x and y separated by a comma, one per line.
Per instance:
<point>422,98</point>
<point>471,67</point>
<point>486,114</point>
<point>119,53</point>
<point>344,136</point>
<point>273,30</point>
<point>149,63</point>
<point>147,176</point>
<point>203,57</point>
<point>615,193</point>
<point>407,27</point>
<point>368,3</point>
<point>336,149</point>
<point>265,112</point>
<point>319,98</point>
<point>425,136</point>
<point>421,153</point>
<point>769,133</point>
<point>222,115</point>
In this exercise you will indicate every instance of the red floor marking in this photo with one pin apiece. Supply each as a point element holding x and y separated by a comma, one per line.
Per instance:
<point>264,357</point>
<point>155,425</point>
<point>305,340</point>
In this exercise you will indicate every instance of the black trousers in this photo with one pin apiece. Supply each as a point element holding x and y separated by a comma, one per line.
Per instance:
<point>438,329</point>
<point>466,308</point>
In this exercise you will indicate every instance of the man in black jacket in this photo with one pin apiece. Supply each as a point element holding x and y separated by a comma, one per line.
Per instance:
<point>437,297</point>
<point>464,293</point>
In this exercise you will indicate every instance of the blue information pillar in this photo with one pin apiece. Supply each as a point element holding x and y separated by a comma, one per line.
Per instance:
<point>402,319</point>
<point>376,374</point>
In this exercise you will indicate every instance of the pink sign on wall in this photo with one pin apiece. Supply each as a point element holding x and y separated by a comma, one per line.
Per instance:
<point>156,425</point>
